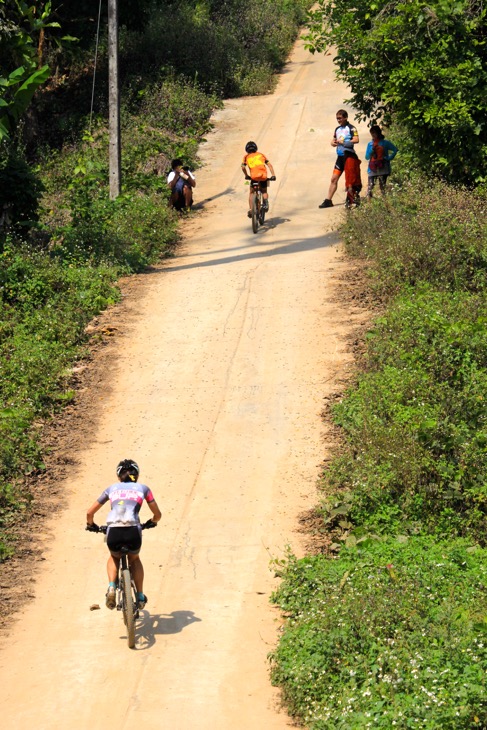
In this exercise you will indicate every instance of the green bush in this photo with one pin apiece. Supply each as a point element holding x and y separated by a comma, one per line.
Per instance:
<point>415,456</point>
<point>20,192</point>
<point>45,304</point>
<point>391,634</point>
<point>428,232</point>
<point>218,44</point>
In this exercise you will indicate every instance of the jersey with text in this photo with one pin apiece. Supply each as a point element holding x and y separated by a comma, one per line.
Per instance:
<point>344,135</point>
<point>126,499</point>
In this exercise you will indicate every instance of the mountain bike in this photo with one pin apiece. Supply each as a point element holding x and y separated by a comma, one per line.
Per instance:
<point>257,209</point>
<point>126,594</point>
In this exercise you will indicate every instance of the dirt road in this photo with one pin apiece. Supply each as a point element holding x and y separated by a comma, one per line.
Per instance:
<point>214,384</point>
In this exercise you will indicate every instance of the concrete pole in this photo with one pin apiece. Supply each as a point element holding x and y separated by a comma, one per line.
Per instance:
<point>115,156</point>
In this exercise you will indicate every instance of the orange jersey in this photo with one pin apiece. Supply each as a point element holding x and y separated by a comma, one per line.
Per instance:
<point>256,162</point>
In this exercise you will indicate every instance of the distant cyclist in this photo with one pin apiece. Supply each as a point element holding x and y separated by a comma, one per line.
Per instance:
<point>254,167</point>
<point>126,497</point>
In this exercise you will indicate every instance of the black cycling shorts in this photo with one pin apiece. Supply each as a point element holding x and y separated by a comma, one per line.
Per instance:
<point>118,537</point>
<point>263,185</point>
<point>339,164</point>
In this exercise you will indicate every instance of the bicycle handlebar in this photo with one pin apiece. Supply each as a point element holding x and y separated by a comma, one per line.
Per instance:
<point>103,528</point>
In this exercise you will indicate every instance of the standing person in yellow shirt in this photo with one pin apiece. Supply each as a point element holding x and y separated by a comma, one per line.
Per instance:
<point>254,167</point>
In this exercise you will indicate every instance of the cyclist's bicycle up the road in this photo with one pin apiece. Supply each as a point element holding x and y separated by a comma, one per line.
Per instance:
<point>254,167</point>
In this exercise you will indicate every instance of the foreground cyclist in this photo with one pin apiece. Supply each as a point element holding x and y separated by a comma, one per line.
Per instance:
<point>254,167</point>
<point>126,497</point>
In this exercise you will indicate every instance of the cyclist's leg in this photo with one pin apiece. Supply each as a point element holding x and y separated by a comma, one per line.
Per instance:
<point>336,175</point>
<point>112,571</point>
<point>251,198</point>
<point>333,184</point>
<point>137,571</point>
<point>114,542</point>
<point>112,568</point>
<point>265,194</point>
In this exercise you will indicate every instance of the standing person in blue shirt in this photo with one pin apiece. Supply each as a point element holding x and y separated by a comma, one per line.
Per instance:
<point>379,153</point>
<point>344,138</point>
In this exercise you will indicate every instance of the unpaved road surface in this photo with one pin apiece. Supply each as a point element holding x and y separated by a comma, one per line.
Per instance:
<point>214,383</point>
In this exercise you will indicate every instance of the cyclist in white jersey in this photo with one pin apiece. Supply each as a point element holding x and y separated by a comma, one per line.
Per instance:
<point>126,498</point>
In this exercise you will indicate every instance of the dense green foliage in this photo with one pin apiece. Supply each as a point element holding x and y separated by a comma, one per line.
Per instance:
<point>227,48</point>
<point>392,635</point>
<point>21,70</point>
<point>422,62</point>
<point>45,303</point>
<point>416,423</point>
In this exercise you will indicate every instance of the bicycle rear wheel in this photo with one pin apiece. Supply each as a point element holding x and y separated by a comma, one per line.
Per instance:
<point>128,607</point>
<point>255,212</point>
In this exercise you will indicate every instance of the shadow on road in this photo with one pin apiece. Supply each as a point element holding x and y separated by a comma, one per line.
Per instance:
<point>201,203</point>
<point>285,247</point>
<point>161,624</point>
<point>272,223</point>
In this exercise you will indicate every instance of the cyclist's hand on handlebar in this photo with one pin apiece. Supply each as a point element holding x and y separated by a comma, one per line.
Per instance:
<point>247,177</point>
<point>92,527</point>
<point>273,178</point>
<point>148,524</point>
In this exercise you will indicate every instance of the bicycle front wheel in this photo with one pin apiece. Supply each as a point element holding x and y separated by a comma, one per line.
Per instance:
<point>255,212</point>
<point>128,607</point>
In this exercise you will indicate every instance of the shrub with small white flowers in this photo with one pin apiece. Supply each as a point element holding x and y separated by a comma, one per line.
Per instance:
<point>392,635</point>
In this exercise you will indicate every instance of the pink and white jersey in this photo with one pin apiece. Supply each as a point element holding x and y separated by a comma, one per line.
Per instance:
<point>126,499</point>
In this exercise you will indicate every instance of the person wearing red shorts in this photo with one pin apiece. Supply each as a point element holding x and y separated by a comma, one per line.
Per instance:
<point>344,139</point>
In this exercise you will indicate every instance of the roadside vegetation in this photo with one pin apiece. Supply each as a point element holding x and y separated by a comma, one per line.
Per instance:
<point>387,627</point>
<point>63,243</point>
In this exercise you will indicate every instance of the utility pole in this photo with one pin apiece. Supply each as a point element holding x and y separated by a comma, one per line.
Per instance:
<point>115,155</point>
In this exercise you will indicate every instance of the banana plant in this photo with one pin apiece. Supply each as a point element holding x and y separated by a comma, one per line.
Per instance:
<point>17,91</point>
<point>26,42</point>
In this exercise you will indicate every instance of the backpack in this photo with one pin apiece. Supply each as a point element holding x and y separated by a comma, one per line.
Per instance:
<point>377,161</point>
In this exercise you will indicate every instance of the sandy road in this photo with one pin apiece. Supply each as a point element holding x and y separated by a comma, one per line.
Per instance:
<point>215,387</point>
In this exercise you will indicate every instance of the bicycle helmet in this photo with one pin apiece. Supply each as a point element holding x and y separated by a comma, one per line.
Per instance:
<point>129,466</point>
<point>250,147</point>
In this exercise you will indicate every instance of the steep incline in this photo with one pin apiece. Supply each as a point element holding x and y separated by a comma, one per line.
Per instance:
<point>216,385</point>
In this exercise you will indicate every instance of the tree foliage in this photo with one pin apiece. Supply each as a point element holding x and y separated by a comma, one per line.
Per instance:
<point>420,63</point>
<point>22,29</point>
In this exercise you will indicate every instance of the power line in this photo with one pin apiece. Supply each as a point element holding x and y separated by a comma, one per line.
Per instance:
<point>94,68</point>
